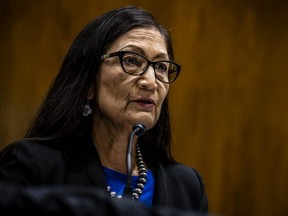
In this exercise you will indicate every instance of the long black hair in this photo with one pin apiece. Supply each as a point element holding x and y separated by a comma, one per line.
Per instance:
<point>60,114</point>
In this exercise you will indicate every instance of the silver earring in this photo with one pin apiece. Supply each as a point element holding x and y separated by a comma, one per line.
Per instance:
<point>87,109</point>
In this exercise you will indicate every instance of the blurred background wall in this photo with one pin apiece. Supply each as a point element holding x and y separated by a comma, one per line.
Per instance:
<point>229,105</point>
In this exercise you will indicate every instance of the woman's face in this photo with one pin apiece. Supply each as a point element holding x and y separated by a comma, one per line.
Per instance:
<point>124,99</point>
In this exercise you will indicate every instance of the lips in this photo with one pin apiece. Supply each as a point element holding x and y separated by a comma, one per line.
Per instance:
<point>145,101</point>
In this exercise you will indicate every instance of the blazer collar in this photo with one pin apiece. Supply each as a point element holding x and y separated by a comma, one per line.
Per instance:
<point>84,166</point>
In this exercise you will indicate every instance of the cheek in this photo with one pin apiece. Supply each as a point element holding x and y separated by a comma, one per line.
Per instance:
<point>111,89</point>
<point>163,92</point>
<point>162,95</point>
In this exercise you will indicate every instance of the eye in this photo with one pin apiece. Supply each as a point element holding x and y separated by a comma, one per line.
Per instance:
<point>130,60</point>
<point>161,67</point>
<point>172,69</point>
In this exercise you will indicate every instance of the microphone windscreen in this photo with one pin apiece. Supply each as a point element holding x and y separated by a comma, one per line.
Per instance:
<point>140,129</point>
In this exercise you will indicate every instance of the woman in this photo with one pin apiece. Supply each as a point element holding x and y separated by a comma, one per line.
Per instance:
<point>116,74</point>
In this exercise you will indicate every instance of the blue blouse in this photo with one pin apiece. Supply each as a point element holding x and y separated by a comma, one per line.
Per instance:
<point>117,182</point>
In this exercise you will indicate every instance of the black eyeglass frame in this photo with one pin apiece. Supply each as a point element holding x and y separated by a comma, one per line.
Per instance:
<point>120,55</point>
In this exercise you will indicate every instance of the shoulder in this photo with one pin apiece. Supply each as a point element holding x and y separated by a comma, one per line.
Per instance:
<point>23,148</point>
<point>180,177</point>
<point>183,174</point>
<point>34,163</point>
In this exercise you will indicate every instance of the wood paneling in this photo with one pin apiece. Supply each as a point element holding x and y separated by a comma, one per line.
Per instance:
<point>229,106</point>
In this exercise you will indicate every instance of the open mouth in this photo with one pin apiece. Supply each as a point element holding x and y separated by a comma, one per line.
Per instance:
<point>145,101</point>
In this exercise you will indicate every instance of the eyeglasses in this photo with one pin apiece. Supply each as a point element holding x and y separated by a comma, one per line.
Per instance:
<point>136,64</point>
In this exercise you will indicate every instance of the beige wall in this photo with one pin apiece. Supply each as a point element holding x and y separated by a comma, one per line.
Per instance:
<point>229,105</point>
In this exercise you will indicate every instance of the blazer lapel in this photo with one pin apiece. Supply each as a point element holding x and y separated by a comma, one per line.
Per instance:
<point>161,192</point>
<point>84,166</point>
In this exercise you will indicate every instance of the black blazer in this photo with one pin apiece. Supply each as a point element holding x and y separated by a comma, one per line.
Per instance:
<point>77,163</point>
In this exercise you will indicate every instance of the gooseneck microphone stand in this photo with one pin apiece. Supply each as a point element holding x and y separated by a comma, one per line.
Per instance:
<point>138,129</point>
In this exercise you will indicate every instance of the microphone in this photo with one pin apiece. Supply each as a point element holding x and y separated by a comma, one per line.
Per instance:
<point>139,130</point>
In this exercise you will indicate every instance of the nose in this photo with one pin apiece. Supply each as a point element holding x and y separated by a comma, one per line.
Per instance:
<point>148,79</point>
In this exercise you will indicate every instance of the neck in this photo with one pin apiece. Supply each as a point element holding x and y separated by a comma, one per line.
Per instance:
<point>111,146</point>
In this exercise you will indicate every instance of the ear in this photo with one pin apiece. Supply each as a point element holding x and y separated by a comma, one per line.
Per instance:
<point>90,92</point>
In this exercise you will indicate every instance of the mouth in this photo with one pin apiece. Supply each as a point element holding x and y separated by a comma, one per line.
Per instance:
<point>145,101</point>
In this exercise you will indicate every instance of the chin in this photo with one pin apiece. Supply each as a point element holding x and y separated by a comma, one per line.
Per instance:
<point>148,124</point>
<point>148,120</point>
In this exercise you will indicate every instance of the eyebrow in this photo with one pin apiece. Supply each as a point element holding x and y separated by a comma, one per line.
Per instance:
<point>142,52</point>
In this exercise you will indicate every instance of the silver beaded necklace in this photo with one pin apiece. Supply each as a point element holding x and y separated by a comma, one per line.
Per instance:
<point>137,192</point>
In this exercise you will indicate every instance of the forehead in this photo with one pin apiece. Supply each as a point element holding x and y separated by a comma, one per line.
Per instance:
<point>148,39</point>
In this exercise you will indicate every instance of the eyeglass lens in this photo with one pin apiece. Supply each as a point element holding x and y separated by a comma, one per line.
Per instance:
<point>135,64</point>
